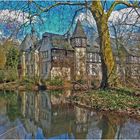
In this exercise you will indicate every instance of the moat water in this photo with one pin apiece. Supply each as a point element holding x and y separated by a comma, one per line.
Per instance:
<point>48,115</point>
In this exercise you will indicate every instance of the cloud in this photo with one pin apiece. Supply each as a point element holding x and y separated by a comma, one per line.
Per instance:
<point>11,21</point>
<point>13,16</point>
<point>0,32</point>
<point>127,15</point>
<point>86,18</point>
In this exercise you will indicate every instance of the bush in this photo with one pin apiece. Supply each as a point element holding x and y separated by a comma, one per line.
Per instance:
<point>56,81</point>
<point>11,75</point>
<point>2,76</point>
<point>8,75</point>
<point>81,82</point>
<point>56,92</point>
<point>28,80</point>
<point>36,80</point>
<point>95,83</point>
<point>43,81</point>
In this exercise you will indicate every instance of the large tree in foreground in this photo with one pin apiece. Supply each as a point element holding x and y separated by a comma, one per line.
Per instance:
<point>101,16</point>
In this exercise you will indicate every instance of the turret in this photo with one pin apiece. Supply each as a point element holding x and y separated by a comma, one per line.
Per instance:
<point>79,43</point>
<point>79,38</point>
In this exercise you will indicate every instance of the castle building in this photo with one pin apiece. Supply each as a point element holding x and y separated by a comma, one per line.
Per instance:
<point>71,58</point>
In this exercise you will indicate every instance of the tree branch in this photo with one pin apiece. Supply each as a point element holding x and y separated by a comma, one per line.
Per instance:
<point>76,12</point>
<point>96,8</point>
<point>114,4</point>
<point>46,9</point>
<point>111,8</point>
<point>58,4</point>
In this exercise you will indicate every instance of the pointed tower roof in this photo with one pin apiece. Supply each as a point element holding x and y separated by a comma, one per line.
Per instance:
<point>79,31</point>
<point>26,43</point>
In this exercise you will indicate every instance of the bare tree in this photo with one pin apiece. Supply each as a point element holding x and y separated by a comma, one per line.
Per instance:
<point>101,16</point>
<point>127,42</point>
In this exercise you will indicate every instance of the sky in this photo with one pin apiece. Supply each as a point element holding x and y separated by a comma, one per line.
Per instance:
<point>57,20</point>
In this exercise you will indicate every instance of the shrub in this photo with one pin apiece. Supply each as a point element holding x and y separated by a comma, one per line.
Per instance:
<point>28,80</point>
<point>81,82</point>
<point>56,92</point>
<point>2,76</point>
<point>37,80</point>
<point>11,75</point>
<point>43,81</point>
<point>56,81</point>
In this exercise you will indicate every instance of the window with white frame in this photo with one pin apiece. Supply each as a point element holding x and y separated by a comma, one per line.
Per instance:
<point>84,42</point>
<point>92,70</point>
<point>95,57</point>
<point>78,42</point>
<point>91,57</point>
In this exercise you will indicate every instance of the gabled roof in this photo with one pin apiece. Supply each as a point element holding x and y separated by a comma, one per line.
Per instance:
<point>79,31</point>
<point>28,42</point>
<point>44,44</point>
<point>56,41</point>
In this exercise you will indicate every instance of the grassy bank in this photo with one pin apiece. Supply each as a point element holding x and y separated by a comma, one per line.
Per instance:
<point>29,85</point>
<point>12,86</point>
<point>118,100</point>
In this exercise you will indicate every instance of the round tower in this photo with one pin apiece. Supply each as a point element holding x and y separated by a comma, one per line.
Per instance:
<point>79,43</point>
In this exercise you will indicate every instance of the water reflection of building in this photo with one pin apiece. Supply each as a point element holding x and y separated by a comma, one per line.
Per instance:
<point>59,97</point>
<point>94,132</point>
<point>81,122</point>
<point>36,109</point>
<point>3,107</point>
<point>44,110</point>
<point>60,121</point>
<point>47,112</point>
<point>91,125</point>
<point>57,120</point>
<point>55,117</point>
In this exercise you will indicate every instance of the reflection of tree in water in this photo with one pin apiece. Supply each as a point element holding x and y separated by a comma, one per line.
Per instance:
<point>110,126</point>
<point>12,108</point>
<point>108,129</point>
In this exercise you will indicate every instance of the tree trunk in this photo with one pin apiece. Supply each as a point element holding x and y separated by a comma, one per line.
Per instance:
<point>109,76</point>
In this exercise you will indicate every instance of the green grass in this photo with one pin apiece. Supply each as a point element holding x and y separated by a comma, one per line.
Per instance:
<point>118,99</point>
<point>56,81</point>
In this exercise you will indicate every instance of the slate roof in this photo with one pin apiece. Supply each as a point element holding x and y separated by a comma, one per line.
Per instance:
<point>57,41</point>
<point>93,48</point>
<point>28,42</point>
<point>62,42</point>
<point>79,31</point>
